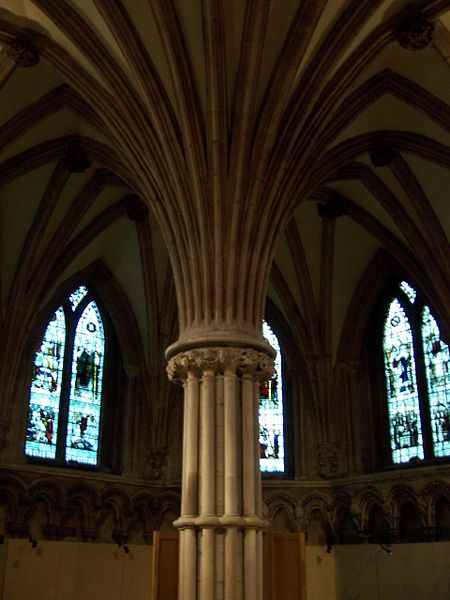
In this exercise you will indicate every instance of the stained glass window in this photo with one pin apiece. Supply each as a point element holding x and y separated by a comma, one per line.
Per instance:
<point>66,388</point>
<point>86,388</point>
<point>417,369</point>
<point>271,439</point>
<point>403,403</point>
<point>77,296</point>
<point>437,364</point>
<point>45,392</point>
<point>409,291</point>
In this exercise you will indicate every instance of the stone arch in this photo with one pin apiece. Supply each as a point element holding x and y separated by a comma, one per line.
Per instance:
<point>114,515</point>
<point>143,511</point>
<point>12,493</point>
<point>436,501</point>
<point>315,519</point>
<point>81,511</point>
<point>166,505</point>
<point>408,518</point>
<point>396,497</point>
<point>282,512</point>
<point>47,502</point>
<point>345,523</point>
<point>363,502</point>
<point>378,528</point>
<point>442,519</point>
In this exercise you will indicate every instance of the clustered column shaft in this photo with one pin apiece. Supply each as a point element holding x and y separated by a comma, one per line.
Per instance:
<point>221,508</point>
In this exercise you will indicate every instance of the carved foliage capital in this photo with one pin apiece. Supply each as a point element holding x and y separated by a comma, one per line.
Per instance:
<point>242,361</point>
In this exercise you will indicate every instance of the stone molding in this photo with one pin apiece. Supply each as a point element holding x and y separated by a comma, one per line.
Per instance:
<point>78,510</point>
<point>357,503</point>
<point>95,511</point>
<point>241,361</point>
<point>221,522</point>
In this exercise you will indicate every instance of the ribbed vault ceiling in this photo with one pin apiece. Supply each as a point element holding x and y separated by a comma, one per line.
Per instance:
<point>232,121</point>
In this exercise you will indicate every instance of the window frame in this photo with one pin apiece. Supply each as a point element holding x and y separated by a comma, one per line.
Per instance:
<point>113,384</point>
<point>288,417</point>
<point>413,312</point>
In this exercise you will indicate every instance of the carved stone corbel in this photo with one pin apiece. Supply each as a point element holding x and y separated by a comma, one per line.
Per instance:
<point>415,32</point>
<point>328,460</point>
<point>157,459</point>
<point>23,53</point>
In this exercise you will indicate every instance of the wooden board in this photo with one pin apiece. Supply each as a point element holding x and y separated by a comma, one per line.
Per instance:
<point>165,565</point>
<point>288,566</point>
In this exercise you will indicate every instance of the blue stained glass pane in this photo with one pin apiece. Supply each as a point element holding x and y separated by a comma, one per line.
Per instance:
<point>43,409</point>
<point>271,440</point>
<point>401,382</point>
<point>86,388</point>
<point>77,296</point>
<point>409,291</point>
<point>437,365</point>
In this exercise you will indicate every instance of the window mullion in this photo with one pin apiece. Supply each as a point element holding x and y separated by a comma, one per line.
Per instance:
<point>65,390</point>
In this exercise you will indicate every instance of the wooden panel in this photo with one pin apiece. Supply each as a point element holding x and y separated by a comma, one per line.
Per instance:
<point>74,570</point>
<point>267,565</point>
<point>165,565</point>
<point>288,566</point>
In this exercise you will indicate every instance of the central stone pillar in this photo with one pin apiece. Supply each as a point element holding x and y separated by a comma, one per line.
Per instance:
<point>221,523</point>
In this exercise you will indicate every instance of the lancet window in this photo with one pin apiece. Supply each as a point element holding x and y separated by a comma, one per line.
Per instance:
<point>271,437</point>
<point>65,401</point>
<point>417,371</point>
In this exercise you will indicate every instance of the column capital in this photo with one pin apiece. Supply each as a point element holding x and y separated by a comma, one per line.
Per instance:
<point>241,361</point>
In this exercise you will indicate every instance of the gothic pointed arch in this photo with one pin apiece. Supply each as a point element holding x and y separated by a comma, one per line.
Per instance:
<point>78,390</point>
<point>416,362</point>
